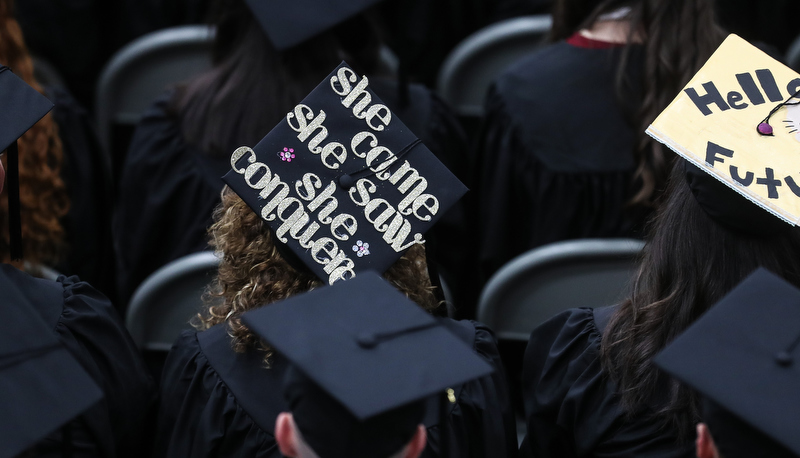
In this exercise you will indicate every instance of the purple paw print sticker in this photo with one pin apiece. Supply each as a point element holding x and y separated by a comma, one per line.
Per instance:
<point>287,154</point>
<point>361,248</point>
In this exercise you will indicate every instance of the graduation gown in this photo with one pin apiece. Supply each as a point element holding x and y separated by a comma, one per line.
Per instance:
<point>571,406</point>
<point>85,322</point>
<point>169,188</point>
<point>555,153</point>
<point>86,174</point>
<point>216,402</point>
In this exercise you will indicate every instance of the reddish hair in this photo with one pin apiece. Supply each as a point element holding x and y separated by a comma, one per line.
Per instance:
<point>43,195</point>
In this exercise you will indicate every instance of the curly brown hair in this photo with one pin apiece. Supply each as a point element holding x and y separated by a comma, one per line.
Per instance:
<point>43,194</point>
<point>252,273</point>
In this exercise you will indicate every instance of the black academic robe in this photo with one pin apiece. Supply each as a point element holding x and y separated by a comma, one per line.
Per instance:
<point>571,406</point>
<point>555,158</point>
<point>169,188</point>
<point>86,174</point>
<point>85,322</point>
<point>216,402</point>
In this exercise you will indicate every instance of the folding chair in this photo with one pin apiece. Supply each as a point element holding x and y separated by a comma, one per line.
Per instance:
<point>164,303</point>
<point>544,281</point>
<point>140,72</point>
<point>470,68</point>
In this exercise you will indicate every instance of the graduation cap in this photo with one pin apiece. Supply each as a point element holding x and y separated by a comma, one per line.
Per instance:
<point>289,23</point>
<point>342,182</point>
<point>22,107</point>
<point>744,356</point>
<point>365,358</point>
<point>42,386</point>
<point>718,123</point>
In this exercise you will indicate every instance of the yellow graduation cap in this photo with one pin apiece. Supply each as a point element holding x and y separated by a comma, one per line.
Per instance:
<point>721,123</point>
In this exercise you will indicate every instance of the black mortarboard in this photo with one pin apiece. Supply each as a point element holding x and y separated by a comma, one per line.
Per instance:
<point>22,107</point>
<point>744,356</point>
<point>289,23</point>
<point>730,209</point>
<point>42,386</point>
<point>365,357</point>
<point>343,182</point>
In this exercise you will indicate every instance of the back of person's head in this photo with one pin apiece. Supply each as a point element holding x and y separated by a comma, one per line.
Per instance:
<point>255,271</point>
<point>252,84</point>
<point>690,261</point>
<point>43,195</point>
<point>732,437</point>
<point>677,37</point>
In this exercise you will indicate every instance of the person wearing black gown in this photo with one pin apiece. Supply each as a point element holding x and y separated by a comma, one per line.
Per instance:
<point>588,384</point>
<point>747,385</point>
<point>81,319</point>
<point>562,152</point>
<point>220,386</point>
<point>367,400</point>
<point>67,204</point>
<point>170,180</point>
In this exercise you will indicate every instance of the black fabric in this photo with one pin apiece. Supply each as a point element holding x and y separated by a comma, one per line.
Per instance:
<point>42,387</point>
<point>555,154</point>
<point>168,191</point>
<point>743,354</point>
<point>331,430</point>
<point>730,209</point>
<point>169,188</point>
<point>86,174</point>
<point>216,402</point>
<point>85,322</point>
<point>571,406</point>
<point>288,24</point>
<point>735,438</point>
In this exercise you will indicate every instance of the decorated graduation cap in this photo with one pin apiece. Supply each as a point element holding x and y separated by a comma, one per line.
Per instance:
<point>737,121</point>
<point>22,107</point>
<point>289,23</point>
<point>342,181</point>
<point>744,356</point>
<point>364,358</point>
<point>42,386</point>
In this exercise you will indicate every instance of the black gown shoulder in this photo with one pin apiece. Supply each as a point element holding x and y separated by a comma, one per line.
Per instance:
<point>87,324</point>
<point>216,402</point>
<point>555,153</point>
<point>168,191</point>
<point>571,406</point>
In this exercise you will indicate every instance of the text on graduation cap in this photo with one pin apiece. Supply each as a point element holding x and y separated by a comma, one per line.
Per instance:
<point>302,208</point>
<point>716,153</point>
<point>735,99</point>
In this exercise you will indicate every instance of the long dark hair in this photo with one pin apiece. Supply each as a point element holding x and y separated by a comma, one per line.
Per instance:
<point>688,264</point>
<point>252,85</point>
<point>678,37</point>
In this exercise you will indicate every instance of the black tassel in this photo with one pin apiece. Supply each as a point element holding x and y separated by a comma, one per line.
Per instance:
<point>14,221</point>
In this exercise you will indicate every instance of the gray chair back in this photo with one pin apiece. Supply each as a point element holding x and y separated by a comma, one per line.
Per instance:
<point>793,55</point>
<point>470,68</point>
<point>538,284</point>
<point>143,69</point>
<point>164,303</point>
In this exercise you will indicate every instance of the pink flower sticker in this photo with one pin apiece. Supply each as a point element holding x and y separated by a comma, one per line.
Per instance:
<point>287,154</point>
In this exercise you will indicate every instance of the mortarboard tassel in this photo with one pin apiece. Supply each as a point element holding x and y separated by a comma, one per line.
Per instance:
<point>14,219</point>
